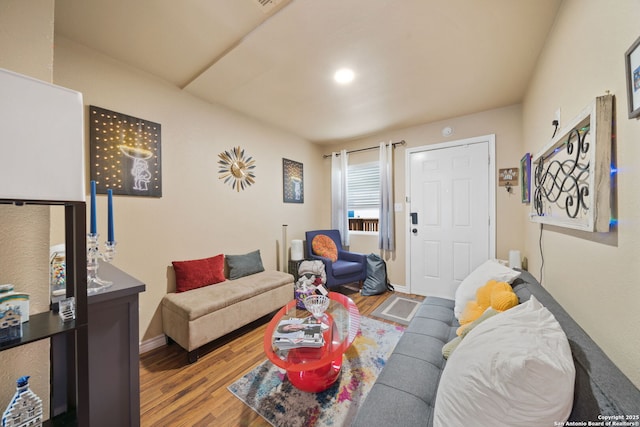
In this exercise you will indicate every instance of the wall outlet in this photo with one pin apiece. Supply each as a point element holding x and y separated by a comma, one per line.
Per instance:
<point>556,117</point>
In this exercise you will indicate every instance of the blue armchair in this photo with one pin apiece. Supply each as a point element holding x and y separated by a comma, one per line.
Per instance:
<point>349,267</point>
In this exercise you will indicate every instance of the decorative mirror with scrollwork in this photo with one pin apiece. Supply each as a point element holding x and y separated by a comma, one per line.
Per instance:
<point>236,168</point>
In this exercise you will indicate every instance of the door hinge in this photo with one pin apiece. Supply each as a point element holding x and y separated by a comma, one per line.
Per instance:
<point>408,199</point>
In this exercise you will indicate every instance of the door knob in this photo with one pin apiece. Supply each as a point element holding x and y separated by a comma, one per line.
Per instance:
<point>414,231</point>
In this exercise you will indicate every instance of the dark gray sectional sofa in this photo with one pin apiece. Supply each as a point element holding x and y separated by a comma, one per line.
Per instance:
<point>405,392</point>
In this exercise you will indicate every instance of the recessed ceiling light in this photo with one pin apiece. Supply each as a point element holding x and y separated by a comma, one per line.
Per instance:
<point>344,76</point>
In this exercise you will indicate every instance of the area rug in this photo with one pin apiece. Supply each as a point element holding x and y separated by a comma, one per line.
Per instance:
<point>267,390</point>
<point>397,309</point>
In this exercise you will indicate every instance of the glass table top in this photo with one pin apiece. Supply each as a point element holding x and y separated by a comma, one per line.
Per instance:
<point>341,323</point>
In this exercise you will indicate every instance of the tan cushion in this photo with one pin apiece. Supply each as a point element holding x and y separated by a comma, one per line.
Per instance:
<point>199,302</point>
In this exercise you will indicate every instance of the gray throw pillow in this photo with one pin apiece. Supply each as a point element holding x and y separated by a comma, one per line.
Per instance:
<point>244,265</point>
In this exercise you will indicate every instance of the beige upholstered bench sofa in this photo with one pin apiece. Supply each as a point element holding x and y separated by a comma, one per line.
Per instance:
<point>198,316</point>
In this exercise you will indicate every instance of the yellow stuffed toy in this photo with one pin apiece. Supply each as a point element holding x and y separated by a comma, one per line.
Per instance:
<point>497,295</point>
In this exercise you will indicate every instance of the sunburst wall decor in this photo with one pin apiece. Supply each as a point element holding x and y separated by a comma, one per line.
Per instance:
<point>236,168</point>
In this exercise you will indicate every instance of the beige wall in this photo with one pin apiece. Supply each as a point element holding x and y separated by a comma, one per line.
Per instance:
<point>26,37</point>
<point>505,123</point>
<point>198,215</point>
<point>594,275</point>
<point>26,34</point>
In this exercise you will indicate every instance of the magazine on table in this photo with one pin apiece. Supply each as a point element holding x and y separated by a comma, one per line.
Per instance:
<point>299,332</point>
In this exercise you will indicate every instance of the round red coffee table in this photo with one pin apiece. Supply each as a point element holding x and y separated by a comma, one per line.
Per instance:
<point>315,369</point>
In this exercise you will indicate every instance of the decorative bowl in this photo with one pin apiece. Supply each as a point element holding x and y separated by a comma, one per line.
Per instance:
<point>317,305</point>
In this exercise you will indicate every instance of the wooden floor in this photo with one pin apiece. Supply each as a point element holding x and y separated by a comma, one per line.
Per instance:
<point>175,393</point>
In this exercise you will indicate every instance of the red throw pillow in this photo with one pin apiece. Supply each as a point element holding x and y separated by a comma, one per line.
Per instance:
<point>199,273</point>
<point>325,246</point>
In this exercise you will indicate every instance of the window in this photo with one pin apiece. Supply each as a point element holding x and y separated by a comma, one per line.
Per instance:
<point>363,187</point>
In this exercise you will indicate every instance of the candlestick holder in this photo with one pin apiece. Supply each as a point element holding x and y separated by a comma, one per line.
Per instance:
<point>94,283</point>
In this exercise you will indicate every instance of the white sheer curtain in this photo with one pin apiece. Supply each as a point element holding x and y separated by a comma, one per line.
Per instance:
<point>386,234</point>
<point>339,219</point>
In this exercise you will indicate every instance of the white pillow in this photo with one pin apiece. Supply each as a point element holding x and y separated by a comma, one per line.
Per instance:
<point>513,369</point>
<point>490,270</point>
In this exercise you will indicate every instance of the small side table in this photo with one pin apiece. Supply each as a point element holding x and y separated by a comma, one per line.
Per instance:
<point>294,265</point>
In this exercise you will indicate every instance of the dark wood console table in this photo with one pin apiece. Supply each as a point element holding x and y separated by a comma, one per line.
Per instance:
<point>114,368</point>
<point>113,341</point>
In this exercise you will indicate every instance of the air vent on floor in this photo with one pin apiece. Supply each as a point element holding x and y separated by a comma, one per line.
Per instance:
<point>267,5</point>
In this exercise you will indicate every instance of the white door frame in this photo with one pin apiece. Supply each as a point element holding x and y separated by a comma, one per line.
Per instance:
<point>491,140</point>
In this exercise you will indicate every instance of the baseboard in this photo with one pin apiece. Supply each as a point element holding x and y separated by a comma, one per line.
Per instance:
<point>153,343</point>
<point>402,289</point>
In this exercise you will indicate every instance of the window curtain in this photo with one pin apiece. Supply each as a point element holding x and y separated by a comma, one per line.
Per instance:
<point>386,234</point>
<point>339,218</point>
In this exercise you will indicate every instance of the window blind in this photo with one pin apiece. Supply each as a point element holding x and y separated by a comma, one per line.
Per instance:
<point>363,186</point>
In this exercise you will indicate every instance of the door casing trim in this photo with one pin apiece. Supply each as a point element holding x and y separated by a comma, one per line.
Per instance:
<point>491,141</point>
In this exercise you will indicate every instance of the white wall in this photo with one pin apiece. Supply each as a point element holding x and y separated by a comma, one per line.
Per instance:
<point>593,275</point>
<point>198,215</point>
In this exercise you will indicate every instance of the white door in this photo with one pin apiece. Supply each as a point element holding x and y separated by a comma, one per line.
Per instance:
<point>451,231</point>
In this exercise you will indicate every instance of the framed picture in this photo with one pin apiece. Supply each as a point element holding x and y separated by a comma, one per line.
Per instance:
<point>508,177</point>
<point>525,178</point>
<point>292,181</point>
<point>125,154</point>
<point>632,61</point>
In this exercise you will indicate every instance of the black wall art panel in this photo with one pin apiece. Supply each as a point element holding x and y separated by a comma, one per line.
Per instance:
<point>124,154</point>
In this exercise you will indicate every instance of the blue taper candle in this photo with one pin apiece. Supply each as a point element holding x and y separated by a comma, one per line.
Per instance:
<point>110,216</point>
<point>93,229</point>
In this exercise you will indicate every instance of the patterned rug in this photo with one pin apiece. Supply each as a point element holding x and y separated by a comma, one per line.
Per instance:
<point>397,309</point>
<point>268,392</point>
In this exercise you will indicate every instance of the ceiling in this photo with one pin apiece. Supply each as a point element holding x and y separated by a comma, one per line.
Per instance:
<point>415,61</point>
